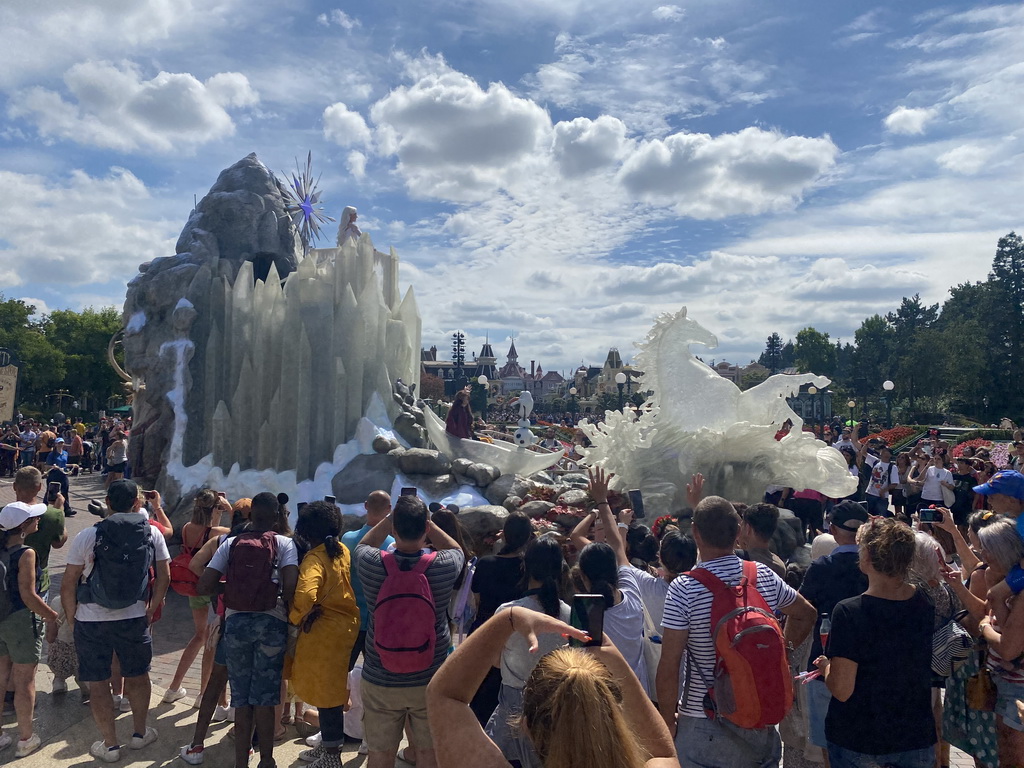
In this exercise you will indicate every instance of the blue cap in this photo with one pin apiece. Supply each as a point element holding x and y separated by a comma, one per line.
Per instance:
<point>1007,482</point>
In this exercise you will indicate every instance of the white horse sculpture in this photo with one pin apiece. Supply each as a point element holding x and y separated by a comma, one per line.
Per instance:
<point>697,421</point>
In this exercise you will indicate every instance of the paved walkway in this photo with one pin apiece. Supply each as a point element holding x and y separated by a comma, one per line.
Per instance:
<point>66,726</point>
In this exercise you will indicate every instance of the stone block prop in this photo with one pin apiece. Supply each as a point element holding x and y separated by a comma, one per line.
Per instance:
<point>362,476</point>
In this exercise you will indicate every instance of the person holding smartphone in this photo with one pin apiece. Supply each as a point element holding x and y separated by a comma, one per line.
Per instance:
<point>582,707</point>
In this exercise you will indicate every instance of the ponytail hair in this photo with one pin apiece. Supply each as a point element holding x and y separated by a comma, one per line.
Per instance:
<point>572,712</point>
<point>598,565</point>
<point>202,508</point>
<point>543,562</point>
<point>333,547</point>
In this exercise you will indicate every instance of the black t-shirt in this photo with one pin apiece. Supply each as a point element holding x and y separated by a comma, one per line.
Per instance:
<point>828,580</point>
<point>890,709</point>
<point>497,581</point>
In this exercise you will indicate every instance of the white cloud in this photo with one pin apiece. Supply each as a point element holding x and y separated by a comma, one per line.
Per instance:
<point>113,106</point>
<point>668,13</point>
<point>751,171</point>
<point>453,139</point>
<point>48,37</point>
<point>339,18</point>
<point>967,159</point>
<point>909,121</point>
<point>41,307</point>
<point>583,145</point>
<point>345,127</point>
<point>78,230</point>
<point>356,163</point>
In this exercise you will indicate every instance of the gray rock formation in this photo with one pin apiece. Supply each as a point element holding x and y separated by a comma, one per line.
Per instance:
<point>512,503</point>
<point>574,498</point>
<point>481,522</point>
<point>482,474</point>
<point>500,489</point>
<point>424,461</point>
<point>363,475</point>
<point>536,509</point>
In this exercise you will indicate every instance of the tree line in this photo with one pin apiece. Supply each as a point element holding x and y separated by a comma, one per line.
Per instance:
<point>63,357</point>
<point>948,361</point>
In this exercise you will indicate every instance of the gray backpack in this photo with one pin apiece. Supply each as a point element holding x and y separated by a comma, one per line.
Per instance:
<point>6,603</point>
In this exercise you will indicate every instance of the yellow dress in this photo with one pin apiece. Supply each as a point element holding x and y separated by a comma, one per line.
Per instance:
<point>320,669</point>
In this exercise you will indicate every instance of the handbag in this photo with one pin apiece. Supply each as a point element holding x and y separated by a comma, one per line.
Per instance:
<point>651,649</point>
<point>951,644</point>
<point>948,496</point>
<point>981,688</point>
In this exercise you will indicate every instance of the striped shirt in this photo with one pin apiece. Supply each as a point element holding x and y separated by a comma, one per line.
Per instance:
<point>441,576</point>
<point>688,607</point>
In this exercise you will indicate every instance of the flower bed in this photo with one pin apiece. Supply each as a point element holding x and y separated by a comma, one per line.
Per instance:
<point>976,443</point>
<point>894,436</point>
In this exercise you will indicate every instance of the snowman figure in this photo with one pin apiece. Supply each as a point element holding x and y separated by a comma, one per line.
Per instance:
<point>524,437</point>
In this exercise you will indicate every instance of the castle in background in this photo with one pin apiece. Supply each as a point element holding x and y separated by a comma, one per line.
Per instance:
<point>510,379</point>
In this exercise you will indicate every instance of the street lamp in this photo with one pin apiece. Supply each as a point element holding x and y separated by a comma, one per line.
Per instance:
<point>851,405</point>
<point>888,386</point>
<point>620,382</point>
<point>572,394</point>
<point>984,401</point>
<point>812,391</point>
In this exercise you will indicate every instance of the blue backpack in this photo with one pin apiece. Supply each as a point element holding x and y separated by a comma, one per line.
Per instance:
<point>122,558</point>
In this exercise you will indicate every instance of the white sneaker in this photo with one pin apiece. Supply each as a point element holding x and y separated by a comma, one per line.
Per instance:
<point>191,755</point>
<point>117,700</point>
<point>138,742</point>
<point>363,749</point>
<point>173,695</point>
<point>107,754</point>
<point>59,686</point>
<point>220,714</point>
<point>5,740</point>
<point>27,746</point>
<point>126,704</point>
<point>314,740</point>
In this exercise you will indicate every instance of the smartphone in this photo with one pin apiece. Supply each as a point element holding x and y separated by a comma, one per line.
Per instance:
<point>222,494</point>
<point>330,499</point>
<point>588,614</point>
<point>52,490</point>
<point>409,490</point>
<point>930,515</point>
<point>300,506</point>
<point>149,494</point>
<point>636,502</point>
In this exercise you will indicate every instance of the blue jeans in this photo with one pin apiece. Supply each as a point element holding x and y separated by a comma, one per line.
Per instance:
<point>838,757</point>
<point>877,505</point>
<point>703,743</point>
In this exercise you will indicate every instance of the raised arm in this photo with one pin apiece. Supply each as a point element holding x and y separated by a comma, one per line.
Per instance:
<point>578,537</point>
<point>968,559</point>
<point>599,493</point>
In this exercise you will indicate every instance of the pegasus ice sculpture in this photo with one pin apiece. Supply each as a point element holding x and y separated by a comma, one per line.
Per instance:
<point>697,421</point>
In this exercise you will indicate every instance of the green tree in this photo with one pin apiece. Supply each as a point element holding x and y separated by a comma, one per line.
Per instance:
<point>914,357</point>
<point>814,352</point>
<point>753,378</point>
<point>771,358</point>
<point>42,365</point>
<point>788,354</point>
<point>968,336</point>
<point>875,342</point>
<point>83,337</point>
<point>1007,279</point>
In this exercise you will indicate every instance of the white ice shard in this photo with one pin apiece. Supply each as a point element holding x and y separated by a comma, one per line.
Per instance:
<point>697,421</point>
<point>508,460</point>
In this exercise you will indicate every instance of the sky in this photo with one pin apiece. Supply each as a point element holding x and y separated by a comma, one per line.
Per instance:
<point>557,172</point>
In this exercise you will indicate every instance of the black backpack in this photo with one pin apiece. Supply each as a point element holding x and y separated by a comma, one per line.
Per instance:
<point>6,603</point>
<point>122,557</point>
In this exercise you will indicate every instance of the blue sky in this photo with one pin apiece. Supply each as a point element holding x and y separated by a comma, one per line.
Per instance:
<point>559,170</point>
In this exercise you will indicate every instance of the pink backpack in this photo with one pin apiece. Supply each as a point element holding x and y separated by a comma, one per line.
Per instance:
<point>404,618</point>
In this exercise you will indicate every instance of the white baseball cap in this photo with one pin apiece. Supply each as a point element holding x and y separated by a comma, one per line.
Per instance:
<point>17,512</point>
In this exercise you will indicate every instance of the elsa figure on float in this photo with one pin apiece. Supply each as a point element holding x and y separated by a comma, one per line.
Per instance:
<point>347,228</point>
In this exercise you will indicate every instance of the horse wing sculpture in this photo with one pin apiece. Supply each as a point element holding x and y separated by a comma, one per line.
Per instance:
<point>697,421</point>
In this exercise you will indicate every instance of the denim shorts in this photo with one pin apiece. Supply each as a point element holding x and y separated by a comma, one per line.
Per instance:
<point>839,757</point>
<point>254,646</point>
<point>96,642</point>
<point>703,743</point>
<point>1007,694</point>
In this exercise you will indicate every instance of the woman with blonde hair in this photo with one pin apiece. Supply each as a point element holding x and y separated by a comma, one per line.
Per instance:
<point>582,708</point>
<point>206,514</point>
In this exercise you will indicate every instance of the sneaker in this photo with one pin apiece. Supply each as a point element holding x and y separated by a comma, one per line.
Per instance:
<point>138,742</point>
<point>117,701</point>
<point>173,695</point>
<point>125,705</point>
<point>101,751</point>
<point>27,746</point>
<point>330,759</point>
<point>363,749</point>
<point>5,740</point>
<point>59,686</point>
<point>191,754</point>
<point>220,714</point>
<point>312,755</point>
<point>314,740</point>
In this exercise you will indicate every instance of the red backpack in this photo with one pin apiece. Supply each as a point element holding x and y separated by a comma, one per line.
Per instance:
<point>249,585</point>
<point>752,685</point>
<point>183,580</point>
<point>404,619</point>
